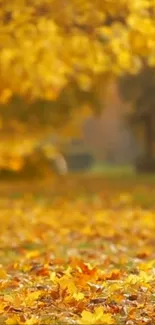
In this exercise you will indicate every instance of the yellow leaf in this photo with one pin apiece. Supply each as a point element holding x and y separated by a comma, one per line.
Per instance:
<point>142,278</point>
<point>32,297</point>
<point>2,306</point>
<point>98,317</point>
<point>31,321</point>
<point>147,265</point>
<point>138,42</point>
<point>32,254</point>
<point>13,320</point>
<point>66,282</point>
<point>53,276</point>
<point>5,95</point>
<point>78,296</point>
<point>3,274</point>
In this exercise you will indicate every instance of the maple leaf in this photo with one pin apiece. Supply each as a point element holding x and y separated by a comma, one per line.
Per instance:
<point>98,317</point>
<point>13,320</point>
<point>143,278</point>
<point>113,275</point>
<point>65,282</point>
<point>3,274</point>
<point>31,297</point>
<point>78,296</point>
<point>2,307</point>
<point>32,321</point>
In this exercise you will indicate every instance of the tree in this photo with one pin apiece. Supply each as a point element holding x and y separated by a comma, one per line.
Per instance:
<point>54,52</point>
<point>27,127</point>
<point>139,90</point>
<point>47,43</point>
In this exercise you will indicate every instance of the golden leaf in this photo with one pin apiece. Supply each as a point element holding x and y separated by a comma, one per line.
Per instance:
<point>98,317</point>
<point>13,320</point>
<point>3,274</point>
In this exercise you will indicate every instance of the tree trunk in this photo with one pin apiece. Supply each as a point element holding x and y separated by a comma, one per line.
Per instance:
<point>148,138</point>
<point>146,163</point>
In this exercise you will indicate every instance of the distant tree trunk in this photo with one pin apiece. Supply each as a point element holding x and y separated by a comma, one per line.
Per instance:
<point>146,164</point>
<point>149,137</point>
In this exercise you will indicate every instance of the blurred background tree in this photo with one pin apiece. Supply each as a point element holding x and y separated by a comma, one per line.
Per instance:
<point>28,129</point>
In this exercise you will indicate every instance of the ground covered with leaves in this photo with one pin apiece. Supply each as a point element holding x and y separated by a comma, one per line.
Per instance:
<point>82,252</point>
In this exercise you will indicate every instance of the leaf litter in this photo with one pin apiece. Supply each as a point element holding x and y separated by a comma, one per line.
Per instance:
<point>77,260</point>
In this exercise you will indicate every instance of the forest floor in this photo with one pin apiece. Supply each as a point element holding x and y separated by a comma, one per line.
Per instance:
<point>78,250</point>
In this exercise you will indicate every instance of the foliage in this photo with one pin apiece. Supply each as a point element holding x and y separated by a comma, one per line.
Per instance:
<point>46,44</point>
<point>25,126</point>
<point>77,258</point>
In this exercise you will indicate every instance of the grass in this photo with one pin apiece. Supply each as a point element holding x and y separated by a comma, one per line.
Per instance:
<point>97,179</point>
<point>113,171</point>
<point>120,172</point>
